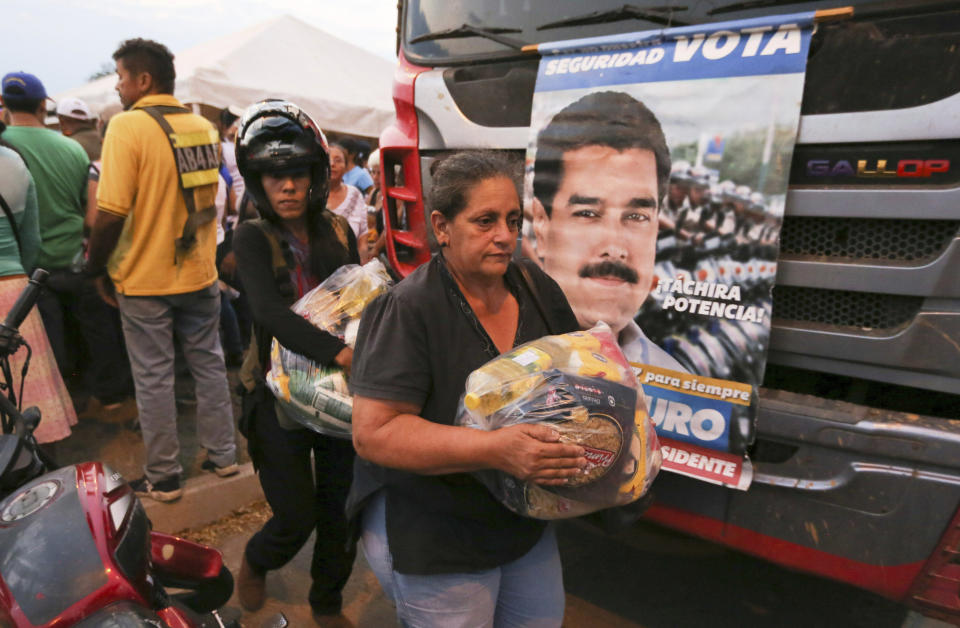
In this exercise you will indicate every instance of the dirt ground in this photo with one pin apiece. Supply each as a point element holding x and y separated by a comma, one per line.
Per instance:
<point>363,600</point>
<point>240,521</point>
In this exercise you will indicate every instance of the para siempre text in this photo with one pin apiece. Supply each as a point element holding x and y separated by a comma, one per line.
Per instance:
<point>748,42</point>
<point>707,299</point>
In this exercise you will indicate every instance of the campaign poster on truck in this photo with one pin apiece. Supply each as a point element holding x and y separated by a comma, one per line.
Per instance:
<point>656,177</point>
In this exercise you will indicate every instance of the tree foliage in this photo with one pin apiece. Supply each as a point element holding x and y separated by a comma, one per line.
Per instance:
<point>742,155</point>
<point>106,69</point>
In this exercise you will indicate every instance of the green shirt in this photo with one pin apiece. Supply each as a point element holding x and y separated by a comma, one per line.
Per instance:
<point>60,168</point>
<point>18,190</point>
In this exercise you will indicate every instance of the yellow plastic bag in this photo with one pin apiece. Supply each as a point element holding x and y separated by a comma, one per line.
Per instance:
<point>314,395</point>
<point>581,385</point>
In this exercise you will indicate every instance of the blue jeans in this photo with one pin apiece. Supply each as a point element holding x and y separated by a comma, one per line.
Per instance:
<point>526,593</point>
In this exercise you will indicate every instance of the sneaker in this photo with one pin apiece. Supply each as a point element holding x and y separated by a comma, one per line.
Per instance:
<point>167,490</point>
<point>224,471</point>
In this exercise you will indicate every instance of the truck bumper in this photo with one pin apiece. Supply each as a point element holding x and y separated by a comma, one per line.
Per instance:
<point>866,496</point>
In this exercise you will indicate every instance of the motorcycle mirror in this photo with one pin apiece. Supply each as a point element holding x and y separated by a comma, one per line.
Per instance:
<point>31,418</point>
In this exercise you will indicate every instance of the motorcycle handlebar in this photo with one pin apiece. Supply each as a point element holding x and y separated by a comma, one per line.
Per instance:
<point>27,299</point>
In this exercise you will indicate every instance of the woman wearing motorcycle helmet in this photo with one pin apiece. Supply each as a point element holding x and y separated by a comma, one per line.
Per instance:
<point>284,160</point>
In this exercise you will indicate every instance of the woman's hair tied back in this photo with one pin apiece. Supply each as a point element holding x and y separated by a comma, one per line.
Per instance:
<point>455,175</point>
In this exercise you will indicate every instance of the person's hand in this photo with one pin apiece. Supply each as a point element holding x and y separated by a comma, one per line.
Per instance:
<point>228,265</point>
<point>366,254</point>
<point>534,453</point>
<point>344,359</point>
<point>105,289</point>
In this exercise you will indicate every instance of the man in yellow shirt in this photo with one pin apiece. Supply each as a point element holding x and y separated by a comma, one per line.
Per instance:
<point>155,234</point>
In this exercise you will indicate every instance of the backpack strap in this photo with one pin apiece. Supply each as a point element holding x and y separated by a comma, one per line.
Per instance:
<point>277,259</point>
<point>13,223</point>
<point>197,156</point>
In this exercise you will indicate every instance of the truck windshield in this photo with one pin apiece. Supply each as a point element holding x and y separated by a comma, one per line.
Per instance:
<point>442,32</point>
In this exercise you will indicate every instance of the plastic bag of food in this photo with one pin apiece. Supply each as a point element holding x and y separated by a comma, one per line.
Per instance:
<point>581,385</point>
<point>313,395</point>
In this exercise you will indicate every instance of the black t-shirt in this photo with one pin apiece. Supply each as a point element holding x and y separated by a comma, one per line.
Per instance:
<point>417,344</point>
<point>271,307</point>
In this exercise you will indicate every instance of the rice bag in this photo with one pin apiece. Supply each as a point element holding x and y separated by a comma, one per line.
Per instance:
<point>311,394</point>
<point>581,385</point>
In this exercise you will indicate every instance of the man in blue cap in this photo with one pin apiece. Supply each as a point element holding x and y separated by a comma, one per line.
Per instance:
<point>58,165</point>
<point>68,305</point>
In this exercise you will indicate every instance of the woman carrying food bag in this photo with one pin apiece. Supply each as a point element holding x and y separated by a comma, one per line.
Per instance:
<point>446,550</point>
<point>295,245</point>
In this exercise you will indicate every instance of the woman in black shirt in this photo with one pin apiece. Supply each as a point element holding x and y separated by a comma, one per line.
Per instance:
<point>283,158</point>
<point>442,546</point>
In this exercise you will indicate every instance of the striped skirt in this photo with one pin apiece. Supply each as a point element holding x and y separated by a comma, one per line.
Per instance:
<point>44,387</point>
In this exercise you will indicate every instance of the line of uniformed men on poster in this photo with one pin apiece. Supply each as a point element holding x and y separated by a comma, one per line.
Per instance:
<point>715,232</point>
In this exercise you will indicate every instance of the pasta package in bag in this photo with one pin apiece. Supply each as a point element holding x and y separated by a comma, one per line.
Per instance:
<point>581,385</point>
<point>311,394</point>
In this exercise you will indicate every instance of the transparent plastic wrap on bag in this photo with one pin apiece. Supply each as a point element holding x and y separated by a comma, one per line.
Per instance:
<point>581,385</point>
<point>311,394</point>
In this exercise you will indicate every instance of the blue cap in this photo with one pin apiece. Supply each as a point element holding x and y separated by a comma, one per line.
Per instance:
<point>23,86</point>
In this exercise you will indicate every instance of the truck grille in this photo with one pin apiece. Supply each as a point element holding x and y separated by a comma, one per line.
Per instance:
<point>865,238</point>
<point>841,308</point>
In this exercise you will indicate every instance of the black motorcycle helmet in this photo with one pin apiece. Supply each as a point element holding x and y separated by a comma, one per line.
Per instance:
<point>277,136</point>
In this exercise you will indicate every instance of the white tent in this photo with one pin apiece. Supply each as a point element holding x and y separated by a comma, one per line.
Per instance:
<point>344,88</point>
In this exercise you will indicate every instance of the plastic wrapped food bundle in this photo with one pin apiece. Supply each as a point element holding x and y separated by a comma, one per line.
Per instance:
<point>581,385</point>
<point>311,394</point>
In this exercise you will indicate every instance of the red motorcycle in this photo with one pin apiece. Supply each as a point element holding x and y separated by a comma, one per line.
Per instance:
<point>76,548</point>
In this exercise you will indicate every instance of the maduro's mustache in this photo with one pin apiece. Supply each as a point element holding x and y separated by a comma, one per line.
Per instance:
<point>609,268</point>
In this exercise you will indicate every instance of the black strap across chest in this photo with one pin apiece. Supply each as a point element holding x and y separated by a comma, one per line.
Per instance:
<point>198,160</point>
<point>13,223</point>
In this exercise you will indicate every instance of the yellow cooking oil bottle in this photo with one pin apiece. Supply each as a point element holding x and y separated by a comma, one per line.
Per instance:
<point>500,381</point>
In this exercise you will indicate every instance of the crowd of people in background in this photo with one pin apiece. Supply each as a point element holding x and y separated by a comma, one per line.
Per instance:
<point>51,153</point>
<point>158,266</point>
<point>86,349</point>
<point>176,243</point>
